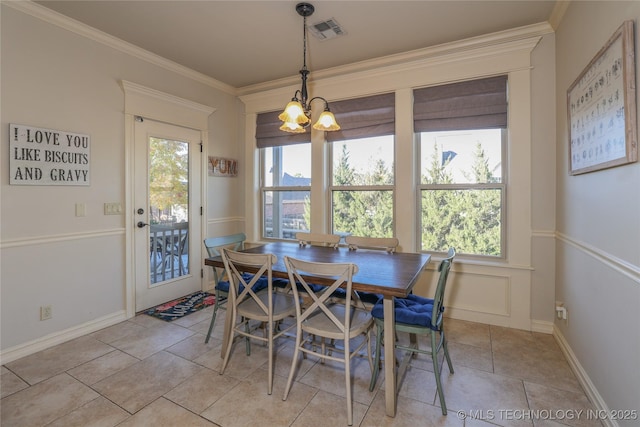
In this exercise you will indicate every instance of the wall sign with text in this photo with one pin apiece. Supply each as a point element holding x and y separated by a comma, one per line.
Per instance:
<point>48,157</point>
<point>219,166</point>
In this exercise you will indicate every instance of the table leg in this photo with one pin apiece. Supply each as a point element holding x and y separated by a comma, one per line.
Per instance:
<point>389,356</point>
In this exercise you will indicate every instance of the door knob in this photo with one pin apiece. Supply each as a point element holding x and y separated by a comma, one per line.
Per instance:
<point>141,224</point>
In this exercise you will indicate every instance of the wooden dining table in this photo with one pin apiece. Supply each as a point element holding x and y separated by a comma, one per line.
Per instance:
<point>389,274</point>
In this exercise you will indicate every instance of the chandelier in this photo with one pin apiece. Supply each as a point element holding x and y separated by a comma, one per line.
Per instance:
<point>297,114</point>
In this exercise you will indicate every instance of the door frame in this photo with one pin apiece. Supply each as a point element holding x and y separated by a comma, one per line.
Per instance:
<point>159,106</point>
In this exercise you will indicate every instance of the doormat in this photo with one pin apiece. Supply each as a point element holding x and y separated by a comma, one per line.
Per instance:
<point>183,306</point>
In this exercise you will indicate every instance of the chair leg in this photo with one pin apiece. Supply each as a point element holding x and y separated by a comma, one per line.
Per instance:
<point>368,338</point>
<point>446,352</point>
<point>247,339</point>
<point>376,361</point>
<point>294,361</point>
<point>347,376</point>
<point>323,349</point>
<point>270,344</point>
<point>436,371</point>
<point>227,352</point>
<point>213,317</point>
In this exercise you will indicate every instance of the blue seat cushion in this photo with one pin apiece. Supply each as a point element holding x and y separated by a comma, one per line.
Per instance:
<point>367,297</point>
<point>280,283</point>
<point>315,288</point>
<point>262,283</point>
<point>412,310</point>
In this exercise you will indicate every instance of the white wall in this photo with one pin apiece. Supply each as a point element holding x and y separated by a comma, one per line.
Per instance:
<point>598,248</point>
<point>58,79</point>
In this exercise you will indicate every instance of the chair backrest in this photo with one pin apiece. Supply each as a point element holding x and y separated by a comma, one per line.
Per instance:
<point>388,244</point>
<point>214,246</point>
<point>318,239</point>
<point>304,272</point>
<point>438,299</point>
<point>241,286</point>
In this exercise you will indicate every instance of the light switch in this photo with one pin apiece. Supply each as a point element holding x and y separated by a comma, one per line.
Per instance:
<point>81,209</point>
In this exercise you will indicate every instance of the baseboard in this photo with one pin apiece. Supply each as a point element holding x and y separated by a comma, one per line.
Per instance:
<point>26,349</point>
<point>583,378</point>
<point>542,326</point>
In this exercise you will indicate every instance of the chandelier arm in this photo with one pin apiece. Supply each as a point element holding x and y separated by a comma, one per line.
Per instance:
<point>326,103</point>
<point>295,95</point>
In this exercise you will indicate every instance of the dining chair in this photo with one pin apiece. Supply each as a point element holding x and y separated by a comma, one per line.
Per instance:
<point>320,316</point>
<point>214,246</point>
<point>262,307</point>
<point>318,239</point>
<point>388,244</point>
<point>420,316</point>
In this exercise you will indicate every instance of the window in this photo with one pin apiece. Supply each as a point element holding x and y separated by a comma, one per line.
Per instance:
<point>286,190</point>
<point>285,179</point>
<point>362,167</point>
<point>362,186</point>
<point>461,129</point>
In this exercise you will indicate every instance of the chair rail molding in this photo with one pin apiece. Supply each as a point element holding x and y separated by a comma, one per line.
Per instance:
<point>56,238</point>
<point>621,266</point>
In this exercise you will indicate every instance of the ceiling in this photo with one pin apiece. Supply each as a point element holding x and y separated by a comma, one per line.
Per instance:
<point>242,43</point>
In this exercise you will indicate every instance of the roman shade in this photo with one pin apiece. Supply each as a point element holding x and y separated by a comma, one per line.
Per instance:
<point>364,117</point>
<point>268,133</point>
<point>474,104</point>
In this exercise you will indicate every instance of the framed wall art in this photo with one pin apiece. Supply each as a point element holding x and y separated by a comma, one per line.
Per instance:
<point>601,107</point>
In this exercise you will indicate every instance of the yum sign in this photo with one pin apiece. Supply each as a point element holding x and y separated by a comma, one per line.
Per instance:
<point>48,157</point>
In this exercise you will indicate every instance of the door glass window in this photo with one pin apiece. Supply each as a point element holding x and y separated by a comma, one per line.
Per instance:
<point>168,209</point>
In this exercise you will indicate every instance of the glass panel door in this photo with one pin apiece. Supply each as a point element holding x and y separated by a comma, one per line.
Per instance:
<point>168,236</point>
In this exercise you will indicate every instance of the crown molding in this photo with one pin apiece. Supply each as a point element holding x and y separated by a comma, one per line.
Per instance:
<point>513,53</point>
<point>428,53</point>
<point>62,21</point>
<point>461,47</point>
<point>558,12</point>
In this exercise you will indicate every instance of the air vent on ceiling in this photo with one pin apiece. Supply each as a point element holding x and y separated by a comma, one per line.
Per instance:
<point>328,29</point>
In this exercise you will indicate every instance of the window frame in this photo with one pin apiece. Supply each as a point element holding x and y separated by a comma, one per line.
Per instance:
<point>274,188</point>
<point>502,186</point>
<point>331,189</point>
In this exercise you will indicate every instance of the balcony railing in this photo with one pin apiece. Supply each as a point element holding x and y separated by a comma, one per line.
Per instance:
<point>169,251</point>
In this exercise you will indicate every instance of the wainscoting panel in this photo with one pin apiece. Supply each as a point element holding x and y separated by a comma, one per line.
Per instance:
<point>496,295</point>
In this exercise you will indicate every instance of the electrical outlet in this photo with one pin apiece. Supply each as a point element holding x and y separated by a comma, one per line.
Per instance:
<point>113,208</point>
<point>46,312</point>
<point>561,311</point>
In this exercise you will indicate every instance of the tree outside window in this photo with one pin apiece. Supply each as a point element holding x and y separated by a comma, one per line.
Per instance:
<point>462,191</point>
<point>168,180</point>
<point>362,187</point>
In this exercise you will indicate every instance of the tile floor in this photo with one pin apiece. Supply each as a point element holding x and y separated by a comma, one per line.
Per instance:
<point>147,372</point>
